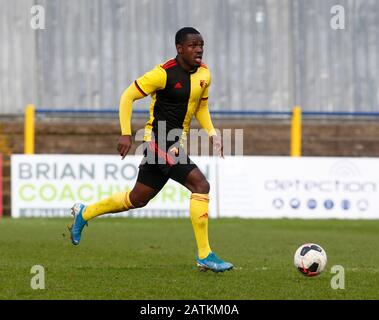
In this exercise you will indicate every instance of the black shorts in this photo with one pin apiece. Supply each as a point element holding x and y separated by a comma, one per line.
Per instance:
<point>160,164</point>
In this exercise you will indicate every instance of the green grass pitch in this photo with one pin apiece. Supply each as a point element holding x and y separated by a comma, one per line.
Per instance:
<point>121,258</point>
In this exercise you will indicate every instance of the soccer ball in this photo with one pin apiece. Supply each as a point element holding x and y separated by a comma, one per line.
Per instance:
<point>310,259</point>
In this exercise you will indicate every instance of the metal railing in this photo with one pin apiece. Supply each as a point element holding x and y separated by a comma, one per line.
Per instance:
<point>296,115</point>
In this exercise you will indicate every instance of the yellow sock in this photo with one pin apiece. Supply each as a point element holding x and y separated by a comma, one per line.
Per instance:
<point>116,203</point>
<point>199,204</point>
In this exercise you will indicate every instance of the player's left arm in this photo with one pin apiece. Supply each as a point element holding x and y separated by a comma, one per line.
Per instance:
<point>203,116</point>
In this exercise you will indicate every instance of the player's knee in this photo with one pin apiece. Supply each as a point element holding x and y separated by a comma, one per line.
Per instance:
<point>202,187</point>
<point>139,198</point>
<point>140,203</point>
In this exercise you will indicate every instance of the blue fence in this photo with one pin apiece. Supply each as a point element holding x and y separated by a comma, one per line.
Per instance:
<point>223,113</point>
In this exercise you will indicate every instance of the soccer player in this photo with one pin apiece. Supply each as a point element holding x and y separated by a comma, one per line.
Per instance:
<point>179,90</point>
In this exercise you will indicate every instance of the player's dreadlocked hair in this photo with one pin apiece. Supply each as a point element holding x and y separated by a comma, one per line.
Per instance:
<point>182,34</point>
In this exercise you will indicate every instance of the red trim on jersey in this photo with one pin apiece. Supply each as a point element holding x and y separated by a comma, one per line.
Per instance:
<point>169,64</point>
<point>204,66</point>
<point>204,98</point>
<point>139,89</point>
<point>161,154</point>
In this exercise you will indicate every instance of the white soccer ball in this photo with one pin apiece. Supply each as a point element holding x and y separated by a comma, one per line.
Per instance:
<point>310,259</point>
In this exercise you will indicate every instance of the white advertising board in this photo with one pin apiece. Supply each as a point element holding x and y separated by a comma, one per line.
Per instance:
<point>307,187</point>
<point>247,187</point>
<point>48,185</point>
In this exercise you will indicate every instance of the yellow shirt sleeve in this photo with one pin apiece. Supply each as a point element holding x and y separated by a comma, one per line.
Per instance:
<point>202,113</point>
<point>126,106</point>
<point>150,82</point>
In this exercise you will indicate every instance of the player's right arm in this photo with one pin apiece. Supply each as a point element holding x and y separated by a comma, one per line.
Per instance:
<point>125,114</point>
<point>150,82</point>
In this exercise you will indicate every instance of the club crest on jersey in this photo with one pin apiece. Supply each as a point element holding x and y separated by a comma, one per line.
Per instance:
<point>202,83</point>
